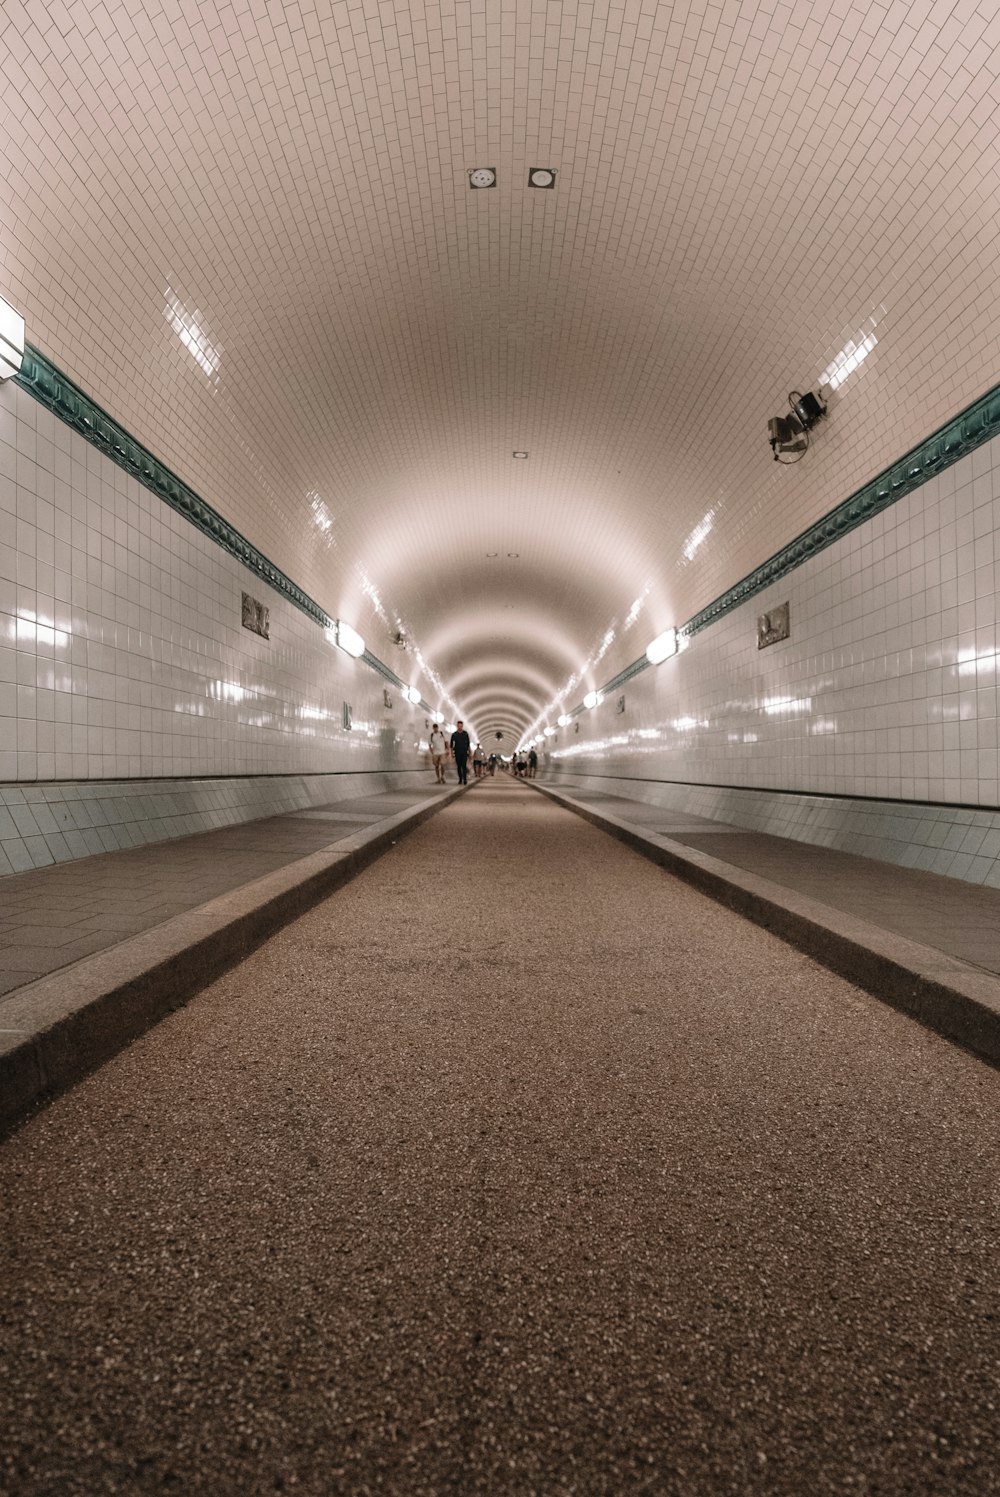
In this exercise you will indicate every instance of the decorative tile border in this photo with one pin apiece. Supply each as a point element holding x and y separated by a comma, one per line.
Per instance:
<point>962,435</point>
<point>625,675</point>
<point>57,392</point>
<point>977,424</point>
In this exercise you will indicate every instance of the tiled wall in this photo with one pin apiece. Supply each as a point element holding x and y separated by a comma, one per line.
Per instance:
<point>54,823</point>
<point>123,657</point>
<point>887,686</point>
<point>122,650</point>
<point>951,840</point>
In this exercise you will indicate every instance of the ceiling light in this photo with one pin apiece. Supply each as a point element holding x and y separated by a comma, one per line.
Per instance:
<point>790,434</point>
<point>541,176</point>
<point>483,176</point>
<point>11,340</point>
<point>521,455</point>
<point>591,699</point>
<point>564,720</point>
<point>662,647</point>
<point>809,408</point>
<point>349,639</point>
<point>513,555</point>
<point>549,732</point>
<point>412,694</point>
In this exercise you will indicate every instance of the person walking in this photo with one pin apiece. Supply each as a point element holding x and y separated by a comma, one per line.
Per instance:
<point>439,751</point>
<point>460,745</point>
<point>532,764</point>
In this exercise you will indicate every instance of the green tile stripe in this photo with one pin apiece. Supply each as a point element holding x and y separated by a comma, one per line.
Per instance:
<point>390,675</point>
<point>625,675</point>
<point>977,424</point>
<point>57,392</point>
<point>968,430</point>
<point>960,436</point>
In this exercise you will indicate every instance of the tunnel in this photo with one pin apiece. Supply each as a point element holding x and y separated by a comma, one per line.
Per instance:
<point>499,749</point>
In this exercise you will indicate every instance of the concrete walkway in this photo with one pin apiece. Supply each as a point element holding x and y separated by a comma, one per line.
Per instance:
<point>94,951</point>
<point>515,1167</point>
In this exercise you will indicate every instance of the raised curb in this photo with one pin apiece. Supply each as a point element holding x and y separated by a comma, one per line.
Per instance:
<point>54,1031</point>
<point>958,1000</point>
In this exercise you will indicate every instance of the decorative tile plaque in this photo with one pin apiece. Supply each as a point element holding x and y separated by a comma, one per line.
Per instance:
<point>620,704</point>
<point>386,698</point>
<point>256,616</point>
<point>772,626</point>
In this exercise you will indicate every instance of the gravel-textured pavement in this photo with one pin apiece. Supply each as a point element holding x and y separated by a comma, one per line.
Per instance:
<point>515,1167</point>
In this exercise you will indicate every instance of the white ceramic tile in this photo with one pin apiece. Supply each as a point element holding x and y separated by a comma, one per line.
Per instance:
<point>181,688</point>
<point>339,344</point>
<point>851,703</point>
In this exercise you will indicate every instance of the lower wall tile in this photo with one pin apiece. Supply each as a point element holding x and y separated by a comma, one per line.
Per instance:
<point>956,841</point>
<point>45,824</point>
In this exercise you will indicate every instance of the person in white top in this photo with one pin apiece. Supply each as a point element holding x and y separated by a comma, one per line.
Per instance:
<point>439,752</point>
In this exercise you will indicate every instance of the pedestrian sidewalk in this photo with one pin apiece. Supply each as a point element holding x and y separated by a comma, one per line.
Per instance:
<point>923,942</point>
<point>93,951</point>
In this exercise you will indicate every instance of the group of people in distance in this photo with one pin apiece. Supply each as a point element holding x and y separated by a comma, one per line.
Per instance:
<point>459,748</point>
<point>524,768</point>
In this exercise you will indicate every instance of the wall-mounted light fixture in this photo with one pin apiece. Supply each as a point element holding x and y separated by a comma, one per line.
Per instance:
<point>591,699</point>
<point>412,694</point>
<point>11,340</point>
<point>349,639</point>
<point>662,647</point>
<point>789,435</point>
<point>565,720</point>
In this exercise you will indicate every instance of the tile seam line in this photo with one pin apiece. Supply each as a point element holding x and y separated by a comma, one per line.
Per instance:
<point>64,399</point>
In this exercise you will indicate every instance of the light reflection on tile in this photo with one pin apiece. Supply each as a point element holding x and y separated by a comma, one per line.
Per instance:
<point>886,687</point>
<point>150,673</point>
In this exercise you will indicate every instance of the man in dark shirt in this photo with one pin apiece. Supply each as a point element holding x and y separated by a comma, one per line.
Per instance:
<point>460,746</point>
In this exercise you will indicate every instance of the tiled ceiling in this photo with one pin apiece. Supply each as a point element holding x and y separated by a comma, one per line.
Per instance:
<point>247,229</point>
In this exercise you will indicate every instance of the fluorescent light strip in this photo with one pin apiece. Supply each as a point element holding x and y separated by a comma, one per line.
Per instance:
<point>349,640</point>
<point>662,647</point>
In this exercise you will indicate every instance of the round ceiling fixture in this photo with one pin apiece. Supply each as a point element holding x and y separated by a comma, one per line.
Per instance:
<point>513,553</point>
<point>493,553</point>
<point>483,176</point>
<point>541,176</point>
<point>521,455</point>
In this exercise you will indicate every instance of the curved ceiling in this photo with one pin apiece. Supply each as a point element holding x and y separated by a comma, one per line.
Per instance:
<point>248,230</point>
